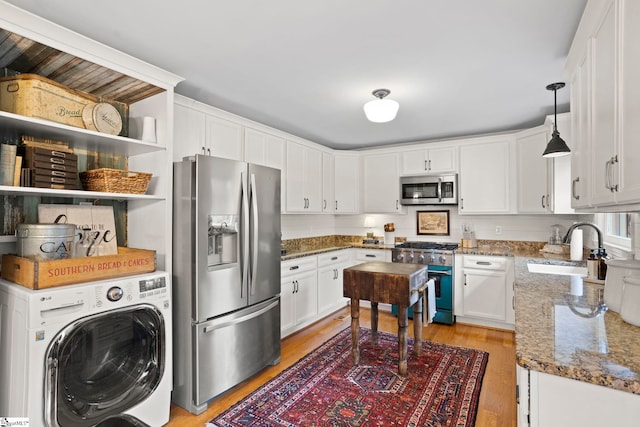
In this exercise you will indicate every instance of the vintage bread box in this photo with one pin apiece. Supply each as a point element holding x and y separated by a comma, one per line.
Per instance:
<point>35,96</point>
<point>47,274</point>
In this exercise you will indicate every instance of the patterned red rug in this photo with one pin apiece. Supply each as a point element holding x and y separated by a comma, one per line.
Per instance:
<point>325,389</point>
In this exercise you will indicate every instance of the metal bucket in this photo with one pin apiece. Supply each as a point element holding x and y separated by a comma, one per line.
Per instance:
<point>45,242</point>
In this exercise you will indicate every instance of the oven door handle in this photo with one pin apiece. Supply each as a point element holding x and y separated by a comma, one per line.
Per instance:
<point>443,273</point>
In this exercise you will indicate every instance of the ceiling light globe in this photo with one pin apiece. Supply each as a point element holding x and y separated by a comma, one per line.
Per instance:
<point>381,110</point>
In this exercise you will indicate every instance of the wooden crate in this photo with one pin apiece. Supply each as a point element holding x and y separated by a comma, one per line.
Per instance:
<point>47,274</point>
<point>32,95</point>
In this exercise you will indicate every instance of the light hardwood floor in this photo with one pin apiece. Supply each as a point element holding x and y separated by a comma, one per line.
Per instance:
<point>497,406</point>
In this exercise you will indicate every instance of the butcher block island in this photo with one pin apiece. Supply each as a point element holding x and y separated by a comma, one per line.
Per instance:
<point>389,283</point>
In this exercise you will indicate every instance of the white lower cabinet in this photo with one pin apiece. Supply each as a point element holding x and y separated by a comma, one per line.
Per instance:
<point>330,292</point>
<point>298,294</point>
<point>367,255</point>
<point>311,286</point>
<point>486,291</point>
<point>546,400</point>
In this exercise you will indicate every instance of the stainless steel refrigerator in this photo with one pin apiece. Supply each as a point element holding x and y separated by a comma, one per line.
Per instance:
<point>226,267</point>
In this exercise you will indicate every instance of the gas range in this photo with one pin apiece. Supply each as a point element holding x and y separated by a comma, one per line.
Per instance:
<point>428,253</point>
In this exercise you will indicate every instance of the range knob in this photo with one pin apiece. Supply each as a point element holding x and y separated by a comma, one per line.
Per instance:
<point>400,256</point>
<point>421,258</point>
<point>432,259</point>
<point>443,259</point>
<point>411,256</point>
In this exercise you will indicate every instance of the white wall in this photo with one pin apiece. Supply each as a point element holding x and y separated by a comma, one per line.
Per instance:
<point>535,228</point>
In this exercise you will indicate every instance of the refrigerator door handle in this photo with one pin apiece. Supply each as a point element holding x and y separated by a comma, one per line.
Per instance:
<point>245,240</point>
<point>254,235</point>
<point>242,319</point>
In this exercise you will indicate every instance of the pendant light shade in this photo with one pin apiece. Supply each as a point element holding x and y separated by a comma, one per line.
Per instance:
<point>381,110</point>
<point>556,146</point>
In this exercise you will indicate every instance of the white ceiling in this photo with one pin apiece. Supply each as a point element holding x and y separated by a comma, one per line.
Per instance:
<point>457,67</point>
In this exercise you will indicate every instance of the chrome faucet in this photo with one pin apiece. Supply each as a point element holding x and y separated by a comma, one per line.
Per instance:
<point>567,237</point>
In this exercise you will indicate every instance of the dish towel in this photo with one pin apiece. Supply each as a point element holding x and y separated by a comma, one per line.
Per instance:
<point>430,301</point>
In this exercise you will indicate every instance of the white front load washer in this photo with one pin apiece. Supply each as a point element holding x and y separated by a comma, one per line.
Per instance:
<point>92,354</point>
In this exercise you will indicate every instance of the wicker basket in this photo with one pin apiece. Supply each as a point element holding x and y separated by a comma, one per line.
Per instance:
<point>115,181</point>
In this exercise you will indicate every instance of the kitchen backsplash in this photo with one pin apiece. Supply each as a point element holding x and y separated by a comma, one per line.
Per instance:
<point>531,228</point>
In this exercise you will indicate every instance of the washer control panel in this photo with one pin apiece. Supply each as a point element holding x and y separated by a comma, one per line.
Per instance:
<point>152,286</point>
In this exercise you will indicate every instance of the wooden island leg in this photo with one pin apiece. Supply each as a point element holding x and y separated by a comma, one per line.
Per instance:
<point>374,323</point>
<point>417,327</point>
<point>403,320</point>
<point>355,330</point>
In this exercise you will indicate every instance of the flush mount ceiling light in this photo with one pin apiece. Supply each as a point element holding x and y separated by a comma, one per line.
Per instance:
<point>556,146</point>
<point>381,110</point>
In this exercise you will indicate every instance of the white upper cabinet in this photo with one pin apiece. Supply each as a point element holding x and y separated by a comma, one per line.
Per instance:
<point>263,149</point>
<point>430,161</point>
<point>535,173</point>
<point>544,185</point>
<point>560,179</point>
<point>487,179</point>
<point>223,138</point>
<point>303,178</point>
<point>381,183</point>
<point>603,154</point>
<point>188,129</point>
<point>199,130</point>
<point>346,183</point>
<point>603,65</point>
<point>328,183</point>
<point>629,137</point>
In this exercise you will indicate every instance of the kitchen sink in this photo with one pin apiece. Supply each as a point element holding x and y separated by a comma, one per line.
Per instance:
<point>561,268</point>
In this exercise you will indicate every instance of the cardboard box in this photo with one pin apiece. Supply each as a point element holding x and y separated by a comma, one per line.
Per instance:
<point>47,274</point>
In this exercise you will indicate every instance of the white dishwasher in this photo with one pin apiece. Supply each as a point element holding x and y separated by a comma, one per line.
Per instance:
<point>485,287</point>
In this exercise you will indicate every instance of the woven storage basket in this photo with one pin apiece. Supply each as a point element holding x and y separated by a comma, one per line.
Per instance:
<point>115,181</point>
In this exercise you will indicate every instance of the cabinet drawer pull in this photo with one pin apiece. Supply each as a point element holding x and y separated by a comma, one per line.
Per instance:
<point>294,267</point>
<point>483,263</point>
<point>370,255</point>
<point>333,258</point>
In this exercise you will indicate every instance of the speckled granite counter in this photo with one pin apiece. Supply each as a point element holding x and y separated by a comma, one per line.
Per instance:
<point>302,252</point>
<point>555,336</point>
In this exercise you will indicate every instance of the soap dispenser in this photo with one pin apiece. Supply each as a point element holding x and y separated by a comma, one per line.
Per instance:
<point>602,265</point>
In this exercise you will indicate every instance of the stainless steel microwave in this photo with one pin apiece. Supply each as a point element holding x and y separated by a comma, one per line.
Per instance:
<point>429,190</point>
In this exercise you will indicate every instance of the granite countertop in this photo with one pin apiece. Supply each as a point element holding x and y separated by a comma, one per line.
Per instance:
<point>302,252</point>
<point>556,334</point>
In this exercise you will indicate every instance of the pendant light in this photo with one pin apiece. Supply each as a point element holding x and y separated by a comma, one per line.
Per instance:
<point>556,146</point>
<point>381,110</point>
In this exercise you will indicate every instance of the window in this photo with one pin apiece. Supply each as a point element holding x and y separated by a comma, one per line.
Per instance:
<point>617,229</point>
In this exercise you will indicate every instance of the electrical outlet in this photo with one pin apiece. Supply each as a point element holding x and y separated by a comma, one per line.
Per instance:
<point>498,229</point>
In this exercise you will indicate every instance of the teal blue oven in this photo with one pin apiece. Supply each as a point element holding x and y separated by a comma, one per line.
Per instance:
<point>443,278</point>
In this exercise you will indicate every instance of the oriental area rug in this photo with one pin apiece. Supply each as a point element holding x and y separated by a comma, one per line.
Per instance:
<point>324,388</point>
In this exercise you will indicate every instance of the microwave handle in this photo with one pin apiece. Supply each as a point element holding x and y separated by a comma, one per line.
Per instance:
<point>440,190</point>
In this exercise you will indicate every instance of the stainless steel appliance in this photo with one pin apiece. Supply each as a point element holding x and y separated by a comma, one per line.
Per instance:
<point>429,190</point>
<point>440,260</point>
<point>226,265</point>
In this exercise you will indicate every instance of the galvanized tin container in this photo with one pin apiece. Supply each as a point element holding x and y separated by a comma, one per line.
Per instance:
<point>44,242</point>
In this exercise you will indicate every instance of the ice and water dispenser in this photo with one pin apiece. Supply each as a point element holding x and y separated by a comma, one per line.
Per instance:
<point>223,240</point>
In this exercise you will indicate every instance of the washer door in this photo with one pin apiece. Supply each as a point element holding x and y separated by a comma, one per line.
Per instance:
<point>102,365</point>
